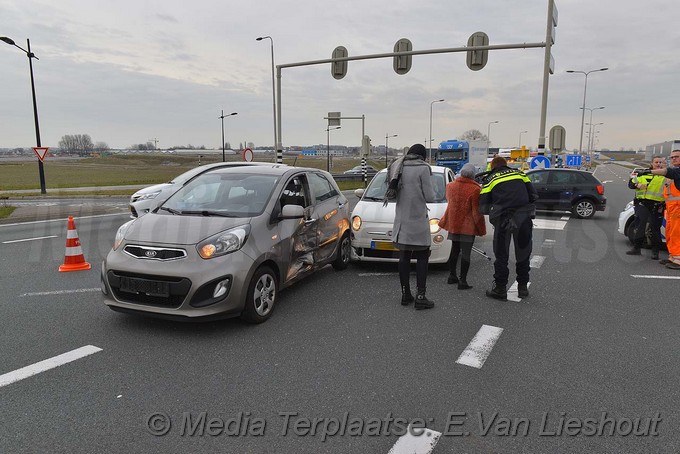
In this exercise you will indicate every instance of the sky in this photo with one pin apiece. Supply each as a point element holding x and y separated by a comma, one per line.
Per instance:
<point>129,72</point>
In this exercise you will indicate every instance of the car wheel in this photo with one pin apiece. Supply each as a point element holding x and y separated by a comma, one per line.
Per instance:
<point>584,209</point>
<point>344,252</point>
<point>630,230</point>
<point>261,296</point>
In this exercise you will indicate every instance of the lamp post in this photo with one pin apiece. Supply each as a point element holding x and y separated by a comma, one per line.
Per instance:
<point>488,135</point>
<point>328,147</point>
<point>386,149</point>
<point>31,55</point>
<point>591,121</point>
<point>222,117</point>
<point>585,88</point>
<point>273,87</point>
<point>591,134</point>
<point>430,144</point>
<point>519,143</point>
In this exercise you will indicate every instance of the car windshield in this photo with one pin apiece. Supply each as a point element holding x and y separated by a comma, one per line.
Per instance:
<point>222,194</point>
<point>378,186</point>
<point>450,155</point>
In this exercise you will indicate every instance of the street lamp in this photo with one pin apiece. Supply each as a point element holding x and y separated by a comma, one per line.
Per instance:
<point>591,121</point>
<point>387,137</point>
<point>591,134</point>
<point>519,143</point>
<point>430,147</point>
<point>328,147</point>
<point>488,135</point>
<point>585,88</point>
<point>222,117</point>
<point>31,55</point>
<point>273,88</point>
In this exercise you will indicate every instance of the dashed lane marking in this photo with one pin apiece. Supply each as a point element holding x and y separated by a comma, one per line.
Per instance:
<point>536,261</point>
<point>62,292</point>
<point>47,364</point>
<point>423,443</point>
<point>29,239</point>
<point>547,224</point>
<point>649,276</point>
<point>565,218</point>
<point>512,292</point>
<point>126,213</point>
<point>479,348</point>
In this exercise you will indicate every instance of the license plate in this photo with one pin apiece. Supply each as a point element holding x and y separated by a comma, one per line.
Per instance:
<point>383,246</point>
<point>151,288</point>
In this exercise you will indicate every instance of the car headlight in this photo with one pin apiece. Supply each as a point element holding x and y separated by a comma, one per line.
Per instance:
<point>434,226</point>
<point>629,205</point>
<point>224,242</point>
<point>120,234</point>
<point>149,196</point>
<point>356,223</point>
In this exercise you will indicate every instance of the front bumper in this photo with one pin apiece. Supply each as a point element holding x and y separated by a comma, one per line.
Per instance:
<point>372,243</point>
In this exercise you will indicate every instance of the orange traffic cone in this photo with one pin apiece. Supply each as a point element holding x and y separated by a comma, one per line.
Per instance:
<point>74,260</point>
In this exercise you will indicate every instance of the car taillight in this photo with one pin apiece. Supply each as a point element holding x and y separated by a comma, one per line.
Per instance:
<point>600,189</point>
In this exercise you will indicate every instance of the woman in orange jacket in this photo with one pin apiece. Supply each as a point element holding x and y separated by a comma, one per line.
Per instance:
<point>463,221</point>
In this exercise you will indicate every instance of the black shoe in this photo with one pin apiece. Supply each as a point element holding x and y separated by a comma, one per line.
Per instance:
<point>634,251</point>
<point>463,285</point>
<point>498,292</point>
<point>522,290</point>
<point>422,302</point>
<point>672,266</point>
<point>453,279</point>
<point>406,295</point>
<point>664,261</point>
<point>655,255</point>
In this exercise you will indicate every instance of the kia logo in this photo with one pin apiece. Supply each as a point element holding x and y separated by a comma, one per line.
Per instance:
<point>150,254</point>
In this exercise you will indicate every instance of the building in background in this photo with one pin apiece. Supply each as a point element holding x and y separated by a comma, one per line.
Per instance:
<point>661,149</point>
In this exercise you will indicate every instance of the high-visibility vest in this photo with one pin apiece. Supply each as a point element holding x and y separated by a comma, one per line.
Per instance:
<point>503,176</point>
<point>654,189</point>
<point>671,195</point>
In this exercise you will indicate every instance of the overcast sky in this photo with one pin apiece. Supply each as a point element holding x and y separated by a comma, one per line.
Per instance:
<point>126,71</point>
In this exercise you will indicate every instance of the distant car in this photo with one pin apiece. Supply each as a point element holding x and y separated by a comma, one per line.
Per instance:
<point>626,223</point>
<point>146,199</point>
<point>226,242</point>
<point>372,223</point>
<point>572,190</point>
<point>358,170</point>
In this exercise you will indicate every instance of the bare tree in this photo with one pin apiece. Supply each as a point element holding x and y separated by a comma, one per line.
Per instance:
<point>101,146</point>
<point>473,134</point>
<point>76,143</point>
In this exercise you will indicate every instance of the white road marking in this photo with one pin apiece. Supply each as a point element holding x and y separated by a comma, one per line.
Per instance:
<point>548,224</point>
<point>412,444</point>
<point>536,261</point>
<point>512,292</point>
<point>548,243</point>
<point>480,346</point>
<point>29,239</point>
<point>126,213</point>
<point>47,364</point>
<point>606,181</point>
<point>565,218</point>
<point>62,292</point>
<point>376,274</point>
<point>648,276</point>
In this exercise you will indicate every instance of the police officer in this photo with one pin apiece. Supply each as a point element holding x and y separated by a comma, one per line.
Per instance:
<point>648,208</point>
<point>508,197</point>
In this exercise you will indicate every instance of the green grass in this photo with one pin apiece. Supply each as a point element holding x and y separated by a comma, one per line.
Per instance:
<point>118,170</point>
<point>5,211</point>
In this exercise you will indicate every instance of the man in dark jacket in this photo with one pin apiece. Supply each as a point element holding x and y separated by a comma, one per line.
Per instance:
<point>508,197</point>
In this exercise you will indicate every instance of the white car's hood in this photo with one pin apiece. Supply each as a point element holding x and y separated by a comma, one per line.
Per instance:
<point>371,211</point>
<point>154,188</point>
<point>176,229</point>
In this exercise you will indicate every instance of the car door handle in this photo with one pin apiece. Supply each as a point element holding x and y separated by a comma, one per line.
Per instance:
<point>340,205</point>
<point>309,221</point>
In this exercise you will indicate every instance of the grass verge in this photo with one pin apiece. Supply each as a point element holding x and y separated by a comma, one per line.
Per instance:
<point>5,211</point>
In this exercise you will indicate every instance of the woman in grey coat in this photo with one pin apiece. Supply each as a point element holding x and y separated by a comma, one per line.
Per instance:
<point>411,185</point>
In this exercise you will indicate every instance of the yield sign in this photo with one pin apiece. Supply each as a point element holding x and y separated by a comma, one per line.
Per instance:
<point>41,152</point>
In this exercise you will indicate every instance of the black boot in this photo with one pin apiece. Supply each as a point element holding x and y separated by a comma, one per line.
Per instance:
<point>453,279</point>
<point>462,284</point>
<point>522,290</point>
<point>406,295</point>
<point>634,251</point>
<point>421,301</point>
<point>498,292</point>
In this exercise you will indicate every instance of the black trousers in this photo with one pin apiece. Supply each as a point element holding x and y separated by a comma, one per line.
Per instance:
<point>522,238</point>
<point>422,259</point>
<point>644,213</point>
<point>461,246</point>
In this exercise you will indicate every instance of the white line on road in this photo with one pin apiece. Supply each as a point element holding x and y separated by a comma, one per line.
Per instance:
<point>126,213</point>
<point>548,243</point>
<point>47,364</point>
<point>376,274</point>
<point>536,261</point>
<point>512,292</point>
<point>548,224</point>
<point>565,218</point>
<point>62,292</point>
<point>480,346</point>
<point>648,276</point>
<point>29,239</point>
<point>409,443</point>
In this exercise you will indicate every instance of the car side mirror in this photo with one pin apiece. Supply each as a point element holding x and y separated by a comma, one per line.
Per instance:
<point>359,192</point>
<point>292,212</point>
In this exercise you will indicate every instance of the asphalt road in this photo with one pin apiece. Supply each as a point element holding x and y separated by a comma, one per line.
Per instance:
<point>590,342</point>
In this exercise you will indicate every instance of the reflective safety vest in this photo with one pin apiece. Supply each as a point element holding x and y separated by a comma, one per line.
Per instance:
<point>504,176</point>
<point>654,189</point>
<point>671,195</point>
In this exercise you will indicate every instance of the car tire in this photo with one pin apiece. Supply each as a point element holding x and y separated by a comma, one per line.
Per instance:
<point>261,296</point>
<point>583,209</point>
<point>344,253</point>
<point>629,230</point>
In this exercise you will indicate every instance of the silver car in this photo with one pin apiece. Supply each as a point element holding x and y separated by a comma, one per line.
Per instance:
<point>146,199</point>
<point>226,242</point>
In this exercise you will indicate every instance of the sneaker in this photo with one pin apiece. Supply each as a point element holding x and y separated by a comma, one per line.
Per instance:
<point>498,292</point>
<point>522,290</point>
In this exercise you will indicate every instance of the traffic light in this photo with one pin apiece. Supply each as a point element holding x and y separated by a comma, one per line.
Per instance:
<point>339,68</point>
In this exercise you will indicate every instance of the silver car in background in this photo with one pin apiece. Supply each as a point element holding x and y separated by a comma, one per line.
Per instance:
<point>226,242</point>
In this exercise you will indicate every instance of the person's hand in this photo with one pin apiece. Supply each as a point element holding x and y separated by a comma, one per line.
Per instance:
<point>644,172</point>
<point>641,186</point>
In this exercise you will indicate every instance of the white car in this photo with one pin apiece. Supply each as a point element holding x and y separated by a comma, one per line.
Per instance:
<point>626,219</point>
<point>146,199</point>
<point>372,223</point>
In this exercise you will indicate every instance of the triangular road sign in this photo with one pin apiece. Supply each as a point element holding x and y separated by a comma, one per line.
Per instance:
<point>41,152</point>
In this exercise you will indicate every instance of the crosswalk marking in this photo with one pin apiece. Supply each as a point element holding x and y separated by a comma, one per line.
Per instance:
<point>548,224</point>
<point>412,444</point>
<point>480,346</point>
<point>648,276</point>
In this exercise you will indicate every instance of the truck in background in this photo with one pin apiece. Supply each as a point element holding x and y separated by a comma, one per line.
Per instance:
<point>454,154</point>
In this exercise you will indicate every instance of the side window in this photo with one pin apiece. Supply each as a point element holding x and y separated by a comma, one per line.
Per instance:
<point>321,188</point>
<point>538,177</point>
<point>565,178</point>
<point>294,193</point>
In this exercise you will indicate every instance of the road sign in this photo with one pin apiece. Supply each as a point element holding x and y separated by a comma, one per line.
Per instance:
<point>557,138</point>
<point>334,118</point>
<point>573,160</point>
<point>41,152</point>
<point>339,68</point>
<point>248,155</point>
<point>476,59</point>
<point>402,63</point>
<point>540,162</point>
<point>587,158</point>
